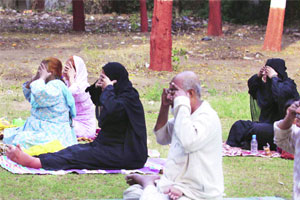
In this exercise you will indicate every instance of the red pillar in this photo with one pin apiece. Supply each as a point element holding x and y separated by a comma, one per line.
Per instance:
<point>215,18</point>
<point>39,5</point>
<point>274,30</point>
<point>144,17</point>
<point>161,38</point>
<point>78,15</point>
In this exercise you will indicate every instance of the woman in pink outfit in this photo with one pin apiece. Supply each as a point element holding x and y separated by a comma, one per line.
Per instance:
<point>76,75</point>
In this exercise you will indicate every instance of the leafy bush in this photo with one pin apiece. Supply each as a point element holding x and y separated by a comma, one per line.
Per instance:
<point>246,11</point>
<point>177,54</point>
<point>109,6</point>
<point>134,22</point>
<point>153,93</point>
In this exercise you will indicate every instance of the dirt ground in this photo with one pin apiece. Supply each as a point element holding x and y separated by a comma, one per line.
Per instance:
<point>224,64</point>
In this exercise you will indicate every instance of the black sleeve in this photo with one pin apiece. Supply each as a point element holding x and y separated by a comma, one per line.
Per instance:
<point>112,106</point>
<point>253,84</point>
<point>95,93</point>
<point>283,90</point>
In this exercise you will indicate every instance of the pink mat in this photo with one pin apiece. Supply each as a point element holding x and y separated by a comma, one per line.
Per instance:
<point>152,166</point>
<point>236,151</point>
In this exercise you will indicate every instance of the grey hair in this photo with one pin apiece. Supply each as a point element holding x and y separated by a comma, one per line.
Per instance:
<point>194,84</point>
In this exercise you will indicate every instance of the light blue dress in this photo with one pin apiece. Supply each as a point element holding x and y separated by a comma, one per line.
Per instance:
<point>52,110</point>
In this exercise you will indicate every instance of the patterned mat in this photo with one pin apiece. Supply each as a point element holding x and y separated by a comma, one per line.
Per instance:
<point>152,166</point>
<point>245,198</point>
<point>236,151</point>
<point>256,198</point>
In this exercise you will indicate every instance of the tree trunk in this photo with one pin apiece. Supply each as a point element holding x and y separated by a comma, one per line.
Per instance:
<point>8,4</point>
<point>215,19</point>
<point>161,38</point>
<point>144,17</point>
<point>39,5</point>
<point>275,26</point>
<point>177,8</point>
<point>78,15</point>
<point>28,4</point>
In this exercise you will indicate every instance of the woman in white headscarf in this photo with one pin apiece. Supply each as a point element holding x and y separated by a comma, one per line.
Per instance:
<point>76,75</point>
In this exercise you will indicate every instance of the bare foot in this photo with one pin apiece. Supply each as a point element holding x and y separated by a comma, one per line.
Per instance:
<point>173,193</point>
<point>17,155</point>
<point>143,180</point>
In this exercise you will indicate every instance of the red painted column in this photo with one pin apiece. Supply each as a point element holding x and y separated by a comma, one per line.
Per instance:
<point>144,17</point>
<point>161,37</point>
<point>215,18</point>
<point>274,30</point>
<point>39,5</point>
<point>78,15</point>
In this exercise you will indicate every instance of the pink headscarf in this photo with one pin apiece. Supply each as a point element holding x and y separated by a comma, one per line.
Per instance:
<point>81,73</point>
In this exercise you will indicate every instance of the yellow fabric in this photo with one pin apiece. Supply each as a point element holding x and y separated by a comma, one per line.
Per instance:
<point>5,124</point>
<point>49,147</point>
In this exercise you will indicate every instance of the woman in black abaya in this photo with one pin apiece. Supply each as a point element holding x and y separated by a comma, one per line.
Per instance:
<point>122,141</point>
<point>271,89</point>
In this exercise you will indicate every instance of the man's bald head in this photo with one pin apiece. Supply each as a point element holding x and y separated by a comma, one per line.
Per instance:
<point>188,80</point>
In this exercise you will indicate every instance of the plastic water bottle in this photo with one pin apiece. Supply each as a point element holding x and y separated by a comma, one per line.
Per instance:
<point>253,145</point>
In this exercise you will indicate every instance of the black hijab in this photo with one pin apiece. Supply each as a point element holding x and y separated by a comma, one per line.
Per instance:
<point>273,104</point>
<point>116,71</point>
<point>135,148</point>
<point>123,90</point>
<point>279,66</point>
<point>134,151</point>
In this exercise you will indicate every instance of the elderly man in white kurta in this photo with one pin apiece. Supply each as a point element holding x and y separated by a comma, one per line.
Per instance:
<point>287,137</point>
<point>193,168</point>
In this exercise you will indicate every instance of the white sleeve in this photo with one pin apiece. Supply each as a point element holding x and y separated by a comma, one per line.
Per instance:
<point>164,134</point>
<point>285,139</point>
<point>192,134</point>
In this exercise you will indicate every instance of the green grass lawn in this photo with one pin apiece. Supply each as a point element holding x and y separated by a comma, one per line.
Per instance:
<point>244,176</point>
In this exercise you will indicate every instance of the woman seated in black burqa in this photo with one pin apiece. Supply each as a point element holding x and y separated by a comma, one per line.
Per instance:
<point>271,89</point>
<point>122,141</point>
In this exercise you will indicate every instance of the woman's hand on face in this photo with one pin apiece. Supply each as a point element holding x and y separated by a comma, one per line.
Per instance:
<point>98,84</point>
<point>104,81</point>
<point>270,72</point>
<point>36,76</point>
<point>43,71</point>
<point>261,72</point>
<point>69,71</point>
